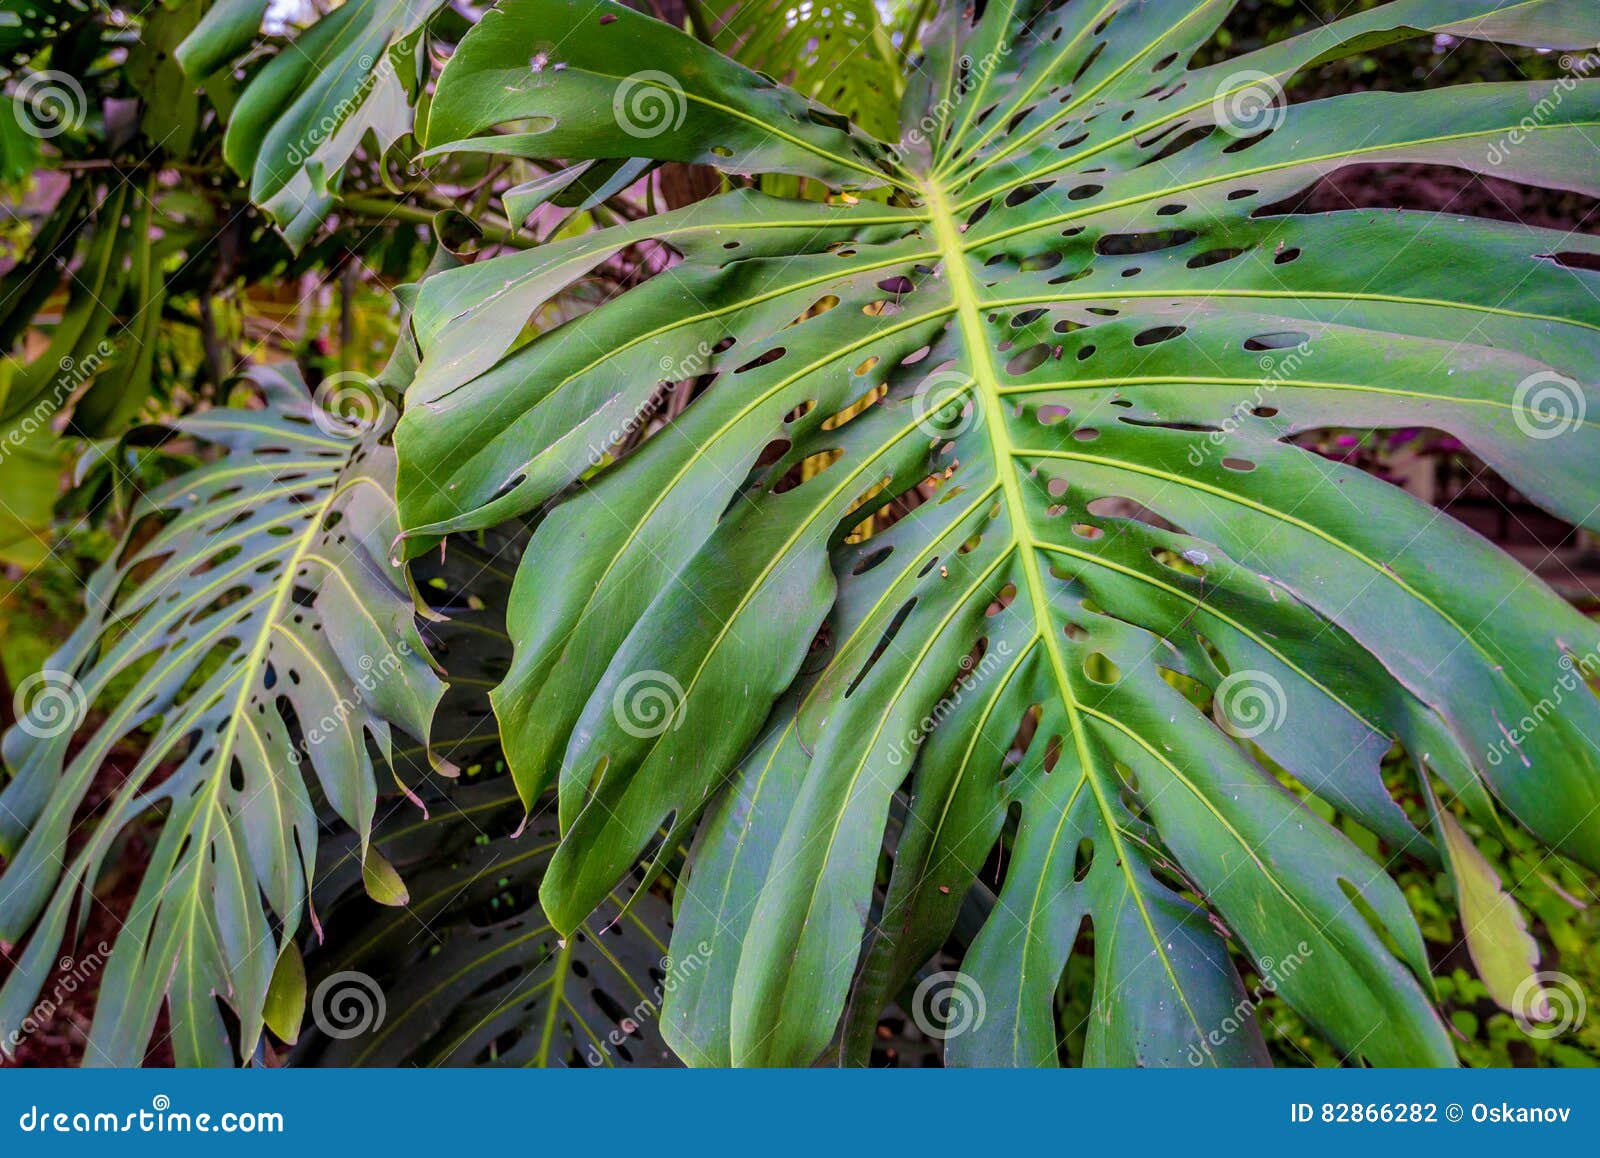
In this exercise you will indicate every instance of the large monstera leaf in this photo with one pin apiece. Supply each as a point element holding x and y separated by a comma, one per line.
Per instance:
<point>253,637</point>
<point>351,77</point>
<point>470,972</point>
<point>1068,585</point>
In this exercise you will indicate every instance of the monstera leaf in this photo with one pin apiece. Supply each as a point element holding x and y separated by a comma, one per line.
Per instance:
<point>471,972</point>
<point>31,473</point>
<point>991,501</point>
<point>350,77</point>
<point>254,638</point>
<point>804,46</point>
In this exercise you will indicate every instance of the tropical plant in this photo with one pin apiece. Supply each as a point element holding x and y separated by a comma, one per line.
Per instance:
<point>1087,348</point>
<point>927,596</point>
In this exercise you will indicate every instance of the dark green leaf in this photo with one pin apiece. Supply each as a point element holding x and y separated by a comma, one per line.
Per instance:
<point>271,647</point>
<point>1071,580</point>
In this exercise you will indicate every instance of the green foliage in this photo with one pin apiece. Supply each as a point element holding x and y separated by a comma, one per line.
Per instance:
<point>1485,1034</point>
<point>255,606</point>
<point>1103,506</point>
<point>908,565</point>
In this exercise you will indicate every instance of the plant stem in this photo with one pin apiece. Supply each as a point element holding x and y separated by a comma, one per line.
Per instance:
<point>698,21</point>
<point>377,211</point>
<point>913,28</point>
